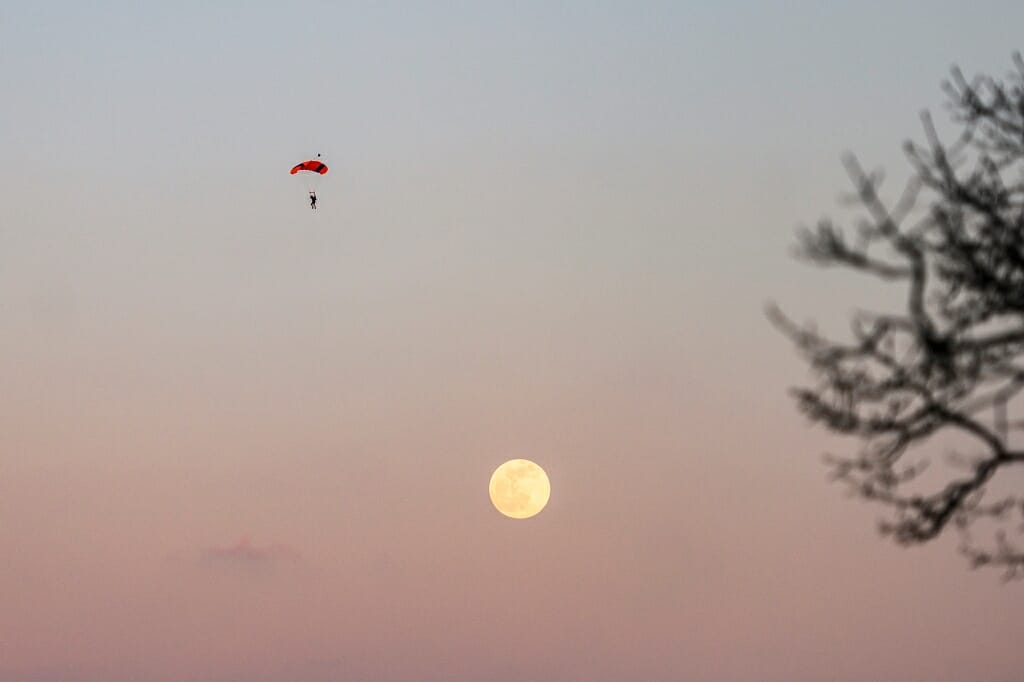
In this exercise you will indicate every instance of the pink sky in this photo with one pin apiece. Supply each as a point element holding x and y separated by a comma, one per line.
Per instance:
<point>243,441</point>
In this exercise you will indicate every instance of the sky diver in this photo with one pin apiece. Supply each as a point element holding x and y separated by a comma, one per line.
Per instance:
<point>311,172</point>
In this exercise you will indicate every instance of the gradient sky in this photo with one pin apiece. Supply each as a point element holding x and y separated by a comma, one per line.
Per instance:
<point>240,440</point>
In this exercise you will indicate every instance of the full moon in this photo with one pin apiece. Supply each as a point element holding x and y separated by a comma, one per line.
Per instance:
<point>519,488</point>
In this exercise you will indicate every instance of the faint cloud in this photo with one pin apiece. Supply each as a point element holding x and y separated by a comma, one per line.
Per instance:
<point>245,553</point>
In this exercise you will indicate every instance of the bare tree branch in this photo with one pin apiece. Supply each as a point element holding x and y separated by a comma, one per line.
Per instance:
<point>952,360</point>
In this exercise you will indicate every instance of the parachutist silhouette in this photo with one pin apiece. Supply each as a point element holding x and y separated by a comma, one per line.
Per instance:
<point>312,200</point>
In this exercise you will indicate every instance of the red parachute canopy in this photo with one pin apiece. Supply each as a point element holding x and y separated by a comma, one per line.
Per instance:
<point>311,166</point>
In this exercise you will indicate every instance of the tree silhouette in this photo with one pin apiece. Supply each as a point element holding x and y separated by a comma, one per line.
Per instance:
<point>950,363</point>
